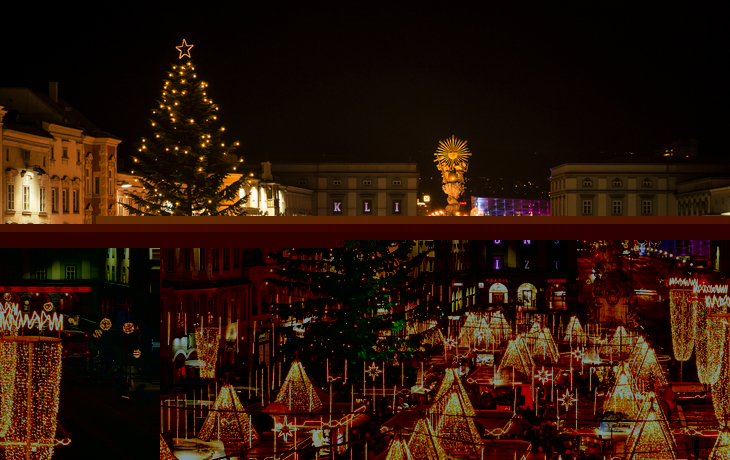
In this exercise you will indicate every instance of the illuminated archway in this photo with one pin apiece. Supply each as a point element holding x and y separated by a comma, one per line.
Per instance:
<point>527,296</point>
<point>498,293</point>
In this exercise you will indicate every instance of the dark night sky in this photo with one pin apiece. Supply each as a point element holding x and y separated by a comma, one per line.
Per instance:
<point>529,87</point>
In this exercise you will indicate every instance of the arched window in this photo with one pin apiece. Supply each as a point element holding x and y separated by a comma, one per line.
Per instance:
<point>498,293</point>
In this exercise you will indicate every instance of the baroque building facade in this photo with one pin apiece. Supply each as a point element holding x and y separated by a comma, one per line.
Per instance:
<point>57,167</point>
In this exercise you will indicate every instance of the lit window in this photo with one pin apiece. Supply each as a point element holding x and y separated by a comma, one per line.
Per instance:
<point>26,198</point>
<point>42,200</point>
<point>616,207</point>
<point>64,199</point>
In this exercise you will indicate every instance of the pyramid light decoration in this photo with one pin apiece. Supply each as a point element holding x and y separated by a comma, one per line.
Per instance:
<point>622,342</point>
<point>575,332</point>
<point>398,450</point>
<point>683,330</point>
<point>297,392</point>
<point>165,453</point>
<point>542,344</point>
<point>433,337</point>
<point>31,431</point>
<point>423,444</point>
<point>456,425</point>
<point>622,397</point>
<point>516,356</point>
<point>450,382</point>
<point>500,327</point>
<point>721,388</point>
<point>721,451</point>
<point>206,342</point>
<point>651,438</point>
<point>484,338</point>
<point>643,364</point>
<point>228,420</point>
<point>474,321</point>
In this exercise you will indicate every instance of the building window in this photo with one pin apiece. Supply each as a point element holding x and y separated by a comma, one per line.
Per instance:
<point>397,182</point>
<point>180,315</point>
<point>646,207</point>
<point>587,183</point>
<point>367,206</point>
<point>226,258</point>
<point>78,156</point>
<point>7,154</point>
<point>54,200</point>
<point>201,262</point>
<point>396,207</point>
<point>64,199</point>
<point>52,155</point>
<point>497,263</point>
<point>42,200</point>
<point>587,207</point>
<point>337,206</point>
<point>11,197</point>
<point>40,273</point>
<point>337,181</point>
<point>70,272</point>
<point>96,186</point>
<point>26,198</point>
<point>216,259</point>
<point>527,242</point>
<point>646,183</point>
<point>236,258</point>
<point>616,207</point>
<point>188,259</point>
<point>65,153</point>
<point>76,201</point>
<point>616,183</point>
<point>367,181</point>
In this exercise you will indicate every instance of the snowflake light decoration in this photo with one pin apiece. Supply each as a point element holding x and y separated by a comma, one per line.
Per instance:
<point>285,429</point>
<point>544,375</point>
<point>578,353</point>
<point>450,343</point>
<point>374,371</point>
<point>567,400</point>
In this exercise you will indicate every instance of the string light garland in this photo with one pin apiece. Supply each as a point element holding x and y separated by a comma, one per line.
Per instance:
<point>128,328</point>
<point>721,388</point>
<point>622,397</point>
<point>33,400</point>
<point>651,437</point>
<point>297,392</point>
<point>575,332</point>
<point>12,319</point>
<point>516,356</point>
<point>228,420</point>
<point>206,342</point>
<point>423,443</point>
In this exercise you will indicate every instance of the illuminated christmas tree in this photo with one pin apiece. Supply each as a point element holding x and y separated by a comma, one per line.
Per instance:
<point>518,357</point>
<point>297,392</point>
<point>574,332</point>
<point>362,292</point>
<point>228,420</point>
<point>165,453</point>
<point>184,162</point>
<point>644,365</point>
<point>500,327</point>
<point>450,382</point>
<point>456,427</point>
<point>474,323</point>
<point>206,342</point>
<point>398,450</point>
<point>651,438</point>
<point>540,342</point>
<point>721,388</point>
<point>682,319</point>
<point>721,451</point>
<point>423,444</point>
<point>622,397</point>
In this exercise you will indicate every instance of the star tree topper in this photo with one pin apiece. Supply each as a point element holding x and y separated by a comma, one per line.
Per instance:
<point>184,49</point>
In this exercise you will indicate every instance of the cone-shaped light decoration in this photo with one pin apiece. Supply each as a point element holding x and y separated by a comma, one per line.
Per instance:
<point>516,356</point>
<point>500,327</point>
<point>721,451</point>
<point>9,355</point>
<point>621,342</point>
<point>542,344</point>
<point>165,453</point>
<point>682,318</point>
<point>651,438</point>
<point>575,332</point>
<point>456,425</point>
<point>622,397</point>
<point>297,392</point>
<point>398,450</point>
<point>423,444</point>
<point>450,383</point>
<point>206,342</point>
<point>228,420</point>
<point>644,365</point>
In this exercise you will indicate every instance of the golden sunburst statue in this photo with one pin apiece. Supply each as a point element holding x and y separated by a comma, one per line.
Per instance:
<point>452,153</point>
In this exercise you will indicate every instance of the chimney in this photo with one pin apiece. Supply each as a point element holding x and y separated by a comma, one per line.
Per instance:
<point>53,90</point>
